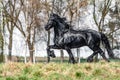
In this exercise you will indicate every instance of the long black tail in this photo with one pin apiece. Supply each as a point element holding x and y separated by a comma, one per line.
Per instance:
<point>107,45</point>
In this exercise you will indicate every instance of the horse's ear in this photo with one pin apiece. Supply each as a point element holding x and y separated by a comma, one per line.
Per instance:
<point>53,14</point>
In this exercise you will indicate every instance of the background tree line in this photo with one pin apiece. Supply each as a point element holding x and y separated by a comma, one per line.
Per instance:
<point>30,16</point>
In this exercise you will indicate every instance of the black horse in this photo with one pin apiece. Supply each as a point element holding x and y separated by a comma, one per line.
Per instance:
<point>67,38</point>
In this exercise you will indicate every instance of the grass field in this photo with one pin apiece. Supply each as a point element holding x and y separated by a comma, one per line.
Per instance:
<point>60,71</point>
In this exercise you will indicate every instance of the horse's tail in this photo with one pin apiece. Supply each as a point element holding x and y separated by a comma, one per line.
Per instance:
<point>107,45</point>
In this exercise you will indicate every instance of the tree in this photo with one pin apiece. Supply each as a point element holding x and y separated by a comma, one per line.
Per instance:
<point>114,26</point>
<point>1,37</point>
<point>103,10</point>
<point>10,18</point>
<point>31,11</point>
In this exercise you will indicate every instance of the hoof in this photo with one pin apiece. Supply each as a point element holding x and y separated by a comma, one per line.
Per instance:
<point>108,60</point>
<point>72,61</point>
<point>90,60</point>
<point>48,60</point>
<point>112,56</point>
<point>52,54</point>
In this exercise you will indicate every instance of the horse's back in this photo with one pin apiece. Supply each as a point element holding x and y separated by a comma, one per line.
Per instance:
<point>95,34</point>
<point>86,31</point>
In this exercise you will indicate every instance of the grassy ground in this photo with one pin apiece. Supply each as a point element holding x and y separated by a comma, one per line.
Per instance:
<point>60,71</point>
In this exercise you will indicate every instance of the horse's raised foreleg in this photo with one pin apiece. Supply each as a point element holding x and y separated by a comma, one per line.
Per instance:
<point>50,53</point>
<point>71,58</point>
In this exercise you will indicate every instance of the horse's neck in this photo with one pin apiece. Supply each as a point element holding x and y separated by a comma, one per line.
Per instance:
<point>58,33</point>
<point>59,30</point>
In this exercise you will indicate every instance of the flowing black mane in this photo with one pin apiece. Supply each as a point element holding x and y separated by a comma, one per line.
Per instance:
<point>67,26</point>
<point>62,20</point>
<point>66,38</point>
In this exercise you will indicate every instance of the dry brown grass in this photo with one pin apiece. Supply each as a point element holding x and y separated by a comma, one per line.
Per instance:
<point>46,71</point>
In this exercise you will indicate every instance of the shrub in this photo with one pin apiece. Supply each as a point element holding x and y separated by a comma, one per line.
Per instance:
<point>97,72</point>
<point>23,77</point>
<point>79,74</point>
<point>57,76</point>
<point>27,70</point>
<point>88,68</point>
<point>38,73</point>
<point>10,78</point>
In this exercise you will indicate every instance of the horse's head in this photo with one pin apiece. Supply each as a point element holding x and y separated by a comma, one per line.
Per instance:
<point>52,21</point>
<point>56,20</point>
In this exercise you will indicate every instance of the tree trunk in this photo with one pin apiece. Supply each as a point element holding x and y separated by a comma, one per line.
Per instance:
<point>48,43</point>
<point>31,56</point>
<point>112,40</point>
<point>25,56</point>
<point>78,55</point>
<point>10,47</point>
<point>31,52</point>
<point>62,55</point>
<point>2,49</point>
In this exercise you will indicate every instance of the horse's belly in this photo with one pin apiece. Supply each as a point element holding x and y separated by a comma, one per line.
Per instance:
<point>76,42</point>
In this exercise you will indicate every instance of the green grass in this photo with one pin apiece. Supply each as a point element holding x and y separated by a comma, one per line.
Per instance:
<point>60,71</point>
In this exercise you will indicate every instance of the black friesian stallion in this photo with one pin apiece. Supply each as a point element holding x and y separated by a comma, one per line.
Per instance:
<point>66,38</point>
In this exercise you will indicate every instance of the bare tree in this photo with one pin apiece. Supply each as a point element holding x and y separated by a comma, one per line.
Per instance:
<point>103,10</point>
<point>1,37</point>
<point>31,10</point>
<point>10,17</point>
<point>114,26</point>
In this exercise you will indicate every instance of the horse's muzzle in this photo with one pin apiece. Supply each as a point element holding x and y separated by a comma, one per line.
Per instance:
<point>46,28</point>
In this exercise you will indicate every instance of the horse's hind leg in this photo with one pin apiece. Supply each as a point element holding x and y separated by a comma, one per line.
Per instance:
<point>94,48</point>
<point>90,58</point>
<point>103,55</point>
<point>96,51</point>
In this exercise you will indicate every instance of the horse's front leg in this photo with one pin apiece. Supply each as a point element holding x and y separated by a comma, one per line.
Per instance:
<point>71,58</point>
<point>50,53</point>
